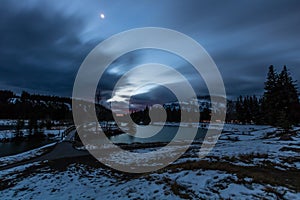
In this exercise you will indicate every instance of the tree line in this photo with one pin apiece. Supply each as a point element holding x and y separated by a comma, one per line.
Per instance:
<point>172,115</point>
<point>34,106</point>
<point>279,106</point>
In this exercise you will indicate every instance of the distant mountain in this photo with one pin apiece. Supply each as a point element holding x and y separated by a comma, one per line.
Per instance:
<point>204,102</point>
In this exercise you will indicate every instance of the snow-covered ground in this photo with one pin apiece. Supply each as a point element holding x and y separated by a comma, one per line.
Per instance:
<point>76,182</point>
<point>252,145</point>
<point>8,122</point>
<point>13,122</point>
<point>53,133</point>
<point>7,134</point>
<point>24,156</point>
<point>248,162</point>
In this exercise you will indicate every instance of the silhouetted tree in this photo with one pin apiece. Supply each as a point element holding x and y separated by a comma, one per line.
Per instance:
<point>280,101</point>
<point>19,127</point>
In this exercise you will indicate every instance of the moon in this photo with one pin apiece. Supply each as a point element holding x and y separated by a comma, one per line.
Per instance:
<point>102,16</point>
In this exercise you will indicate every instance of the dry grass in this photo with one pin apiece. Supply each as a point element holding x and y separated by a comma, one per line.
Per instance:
<point>297,150</point>
<point>264,175</point>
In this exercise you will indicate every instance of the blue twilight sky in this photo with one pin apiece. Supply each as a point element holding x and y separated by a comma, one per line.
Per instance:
<point>43,42</point>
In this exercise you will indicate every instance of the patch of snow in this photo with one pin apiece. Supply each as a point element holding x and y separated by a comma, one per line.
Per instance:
<point>24,156</point>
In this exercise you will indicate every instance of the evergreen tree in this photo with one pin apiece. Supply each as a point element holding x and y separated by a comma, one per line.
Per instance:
<point>287,99</point>
<point>240,110</point>
<point>19,126</point>
<point>269,106</point>
<point>32,126</point>
<point>280,101</point>
<point>248,109</point>
<point>255,107</point>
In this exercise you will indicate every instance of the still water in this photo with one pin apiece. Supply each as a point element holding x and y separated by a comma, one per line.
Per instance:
<point>163,134</point>
<point>143,134</point>
<point>11,148</point>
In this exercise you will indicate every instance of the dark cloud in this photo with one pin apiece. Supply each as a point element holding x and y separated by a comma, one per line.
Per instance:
<point>42,43</point>
<point>243,37</point>
<point>40,49</point>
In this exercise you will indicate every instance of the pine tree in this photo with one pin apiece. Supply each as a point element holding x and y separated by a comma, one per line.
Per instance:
<point>255,107</point>
<point>240,110</point>
<point>32,126</point>
<point>231,111</point>
<point>269,107</point>
<point>271,80</point>
<point>280,101</point>
<point>287,99</point>
<point>19,127</point>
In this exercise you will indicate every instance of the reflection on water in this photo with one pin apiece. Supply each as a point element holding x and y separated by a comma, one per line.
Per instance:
<point>144,134</point>
<point>11,148</point>
<point>166,134</point>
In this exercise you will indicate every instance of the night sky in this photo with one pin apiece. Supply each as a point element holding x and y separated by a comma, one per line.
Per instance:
<point>43,43</point>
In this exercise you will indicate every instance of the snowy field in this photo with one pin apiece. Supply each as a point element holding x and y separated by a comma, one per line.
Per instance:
<point>54,133</point>
<point>248,162</point>
<point>8,122</point>
<point>24,156</point>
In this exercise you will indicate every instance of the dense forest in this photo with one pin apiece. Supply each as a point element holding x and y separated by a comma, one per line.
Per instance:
<point>279,105</point>
<point>33,106</point>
